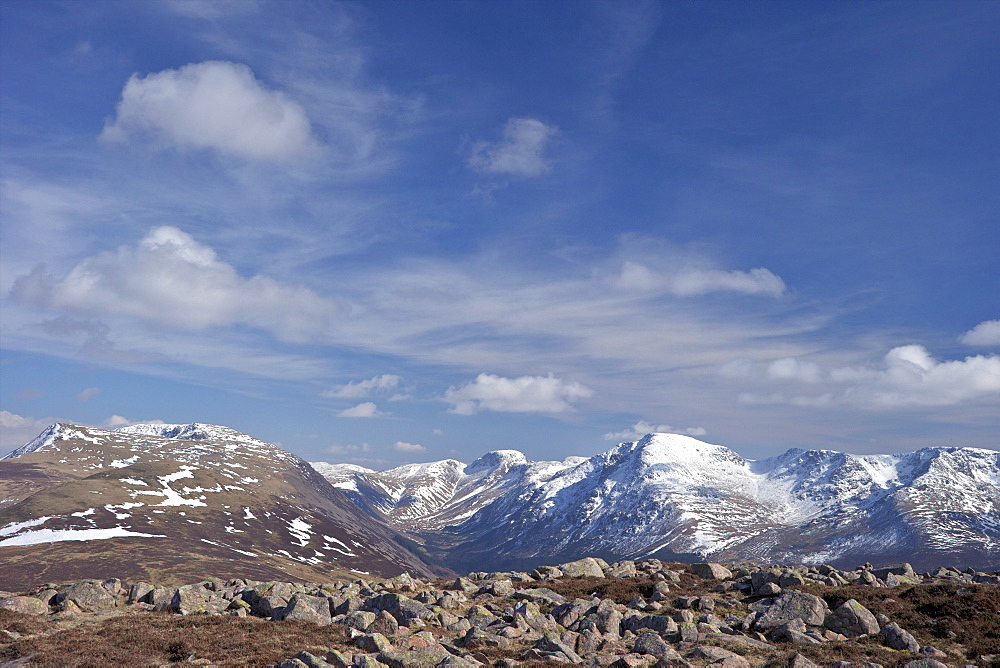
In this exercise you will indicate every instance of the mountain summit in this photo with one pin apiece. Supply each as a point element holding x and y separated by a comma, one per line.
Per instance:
<point>171,502</point>
<point>674,496</point>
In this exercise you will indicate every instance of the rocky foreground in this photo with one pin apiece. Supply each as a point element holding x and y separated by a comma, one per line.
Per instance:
<point>587,612</point>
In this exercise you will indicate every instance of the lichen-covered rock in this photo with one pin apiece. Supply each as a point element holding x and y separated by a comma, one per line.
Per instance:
<point>425,657</point>
<point>385,624</point>
<point>711,571</point>
<point>529,614</point>
<point>722,658</point>
<point>650,643</point>
<point>339,659</point>
<point>305,659</point>
<point>196,600</point>
<point>852,619</point>
<point>361,620</point>
<point>25,605</point>
<point>538,595</point>
<point>581,567</point>
<point>793,605</point>
<point>373,642</point>
<point>898,638</point>
<point>304,608</point>
<point>550,642</point>
<point>403,608</point>
<point>87,595</point>
<point>799,661</point>
<point>139,592</point>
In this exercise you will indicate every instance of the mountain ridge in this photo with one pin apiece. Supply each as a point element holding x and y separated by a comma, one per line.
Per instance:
<point>200,499</point>
<point>675,495</point>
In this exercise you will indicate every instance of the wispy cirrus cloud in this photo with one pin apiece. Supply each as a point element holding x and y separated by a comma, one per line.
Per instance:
<point>366,409</point>
<point>216,105</point>
<point>386,382</point>
<point>695,281</point>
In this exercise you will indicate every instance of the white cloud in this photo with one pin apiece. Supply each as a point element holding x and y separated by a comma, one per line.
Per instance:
<point>213,105</point>
<point>170,280</point>
<point>907,376</point>
<point>693,282</point>
<point>526,394</point>
<point>363,410</point>
<point>348,449</point>
<point>790,368</point>
<point>641,428</point>
<point>520,152</point>
<point>984,334</point>
<point>364,388</point>
<point>88,393</point>
<point>116,421</point>
<point>912,377</point>
<point>403,446</point>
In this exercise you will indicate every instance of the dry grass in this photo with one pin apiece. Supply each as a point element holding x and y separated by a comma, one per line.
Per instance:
<point>155,639</point>
<point>935,613</point>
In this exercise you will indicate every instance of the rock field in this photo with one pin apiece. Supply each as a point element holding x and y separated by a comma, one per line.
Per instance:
<point>586,612</point>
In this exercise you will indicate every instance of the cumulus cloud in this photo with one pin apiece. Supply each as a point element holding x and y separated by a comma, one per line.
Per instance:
<point>526,394</point>
<point>520,152</point>
<point>906,376</point>
<point>215,105</point>
<point>367,409</point>
<point>984,334</point>
<point>403,446</point>
<point>641,428</point>
<point>693,282</point>
<point>363,388</point>
<point>911,377</point>
<point>170,280</point>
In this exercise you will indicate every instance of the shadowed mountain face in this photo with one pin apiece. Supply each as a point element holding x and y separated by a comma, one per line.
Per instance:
<point>175,502</point>
<point>676,497</point>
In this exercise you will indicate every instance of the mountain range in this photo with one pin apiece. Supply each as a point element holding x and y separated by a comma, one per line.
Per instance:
<point>675,497</point>
<point>172,502</point>
<point>175,502</point>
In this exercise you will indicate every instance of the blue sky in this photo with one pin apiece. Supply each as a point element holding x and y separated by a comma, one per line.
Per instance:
<point>388,232</point>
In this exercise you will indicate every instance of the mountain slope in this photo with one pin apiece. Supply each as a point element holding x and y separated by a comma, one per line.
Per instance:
<point>677,497</point>
<point>172,502</point>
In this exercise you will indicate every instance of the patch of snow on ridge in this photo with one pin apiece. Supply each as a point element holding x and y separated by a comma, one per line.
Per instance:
<point>301,530</point>
<point>171,496</point>
<point>122,463</point>
<point>14,527</point>
<point>55,536</point>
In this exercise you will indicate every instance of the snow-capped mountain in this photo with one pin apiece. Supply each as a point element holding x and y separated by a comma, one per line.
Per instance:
<point>171,502</point>
<point>674,496</point>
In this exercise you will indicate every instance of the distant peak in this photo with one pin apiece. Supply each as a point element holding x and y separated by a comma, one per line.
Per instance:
<point>195,431</point>
<point>677,448</point>
<point>40,442</point>
<point>496,459</point>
